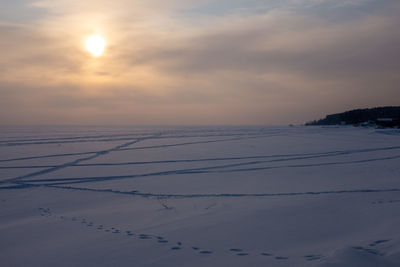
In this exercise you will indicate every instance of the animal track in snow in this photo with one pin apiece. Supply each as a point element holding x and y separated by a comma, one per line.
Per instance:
<point>312,257</point>
<point>179,245</point>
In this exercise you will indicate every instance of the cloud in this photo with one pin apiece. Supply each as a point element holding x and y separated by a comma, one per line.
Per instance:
<point>282,43</point>
<point>287,63</point>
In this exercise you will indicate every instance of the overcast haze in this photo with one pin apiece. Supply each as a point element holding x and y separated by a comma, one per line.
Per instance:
<point>196,62</point>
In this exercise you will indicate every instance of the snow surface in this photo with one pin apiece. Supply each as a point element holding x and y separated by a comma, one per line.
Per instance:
<point>197,196</point>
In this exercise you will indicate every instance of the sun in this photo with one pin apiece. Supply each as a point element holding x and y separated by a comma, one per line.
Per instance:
<point>95,44</point>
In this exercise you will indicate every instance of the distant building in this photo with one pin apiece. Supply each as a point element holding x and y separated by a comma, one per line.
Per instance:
<point>388,122</point>
<point>385,119</point>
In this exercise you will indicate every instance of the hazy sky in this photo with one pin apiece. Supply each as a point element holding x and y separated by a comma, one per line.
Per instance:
<point>196,62</point>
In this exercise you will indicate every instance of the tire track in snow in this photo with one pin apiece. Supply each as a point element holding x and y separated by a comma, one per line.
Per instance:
<point>211,169</point>
<point>119,137</point>
<point>71,163</point>
<point>178,160</point>
<point>223,195</point>
<point>345,152</point>
<point>122,149</point>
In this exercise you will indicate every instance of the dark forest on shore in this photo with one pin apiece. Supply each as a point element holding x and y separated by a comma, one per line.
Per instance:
<point>385,116</point>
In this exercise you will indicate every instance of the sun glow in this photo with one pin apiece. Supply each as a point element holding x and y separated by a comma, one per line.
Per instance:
<point>95,44</point>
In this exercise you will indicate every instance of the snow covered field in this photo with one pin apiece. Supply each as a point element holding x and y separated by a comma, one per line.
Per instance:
<point>196,196</point>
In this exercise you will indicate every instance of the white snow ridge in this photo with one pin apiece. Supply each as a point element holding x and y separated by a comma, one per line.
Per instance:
<point>199,196</point>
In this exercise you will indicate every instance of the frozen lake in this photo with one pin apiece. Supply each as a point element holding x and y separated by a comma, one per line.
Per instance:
<point>199,196</point>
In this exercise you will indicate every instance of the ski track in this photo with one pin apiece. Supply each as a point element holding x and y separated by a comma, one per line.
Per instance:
<point>224,195</point>
<point>59,167</point>
<point>210,169</point>
<point>29,181</point>
<point>123,137</point>
<point>134,148</point>
<point>291,157</point>
<point>26,179</point>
